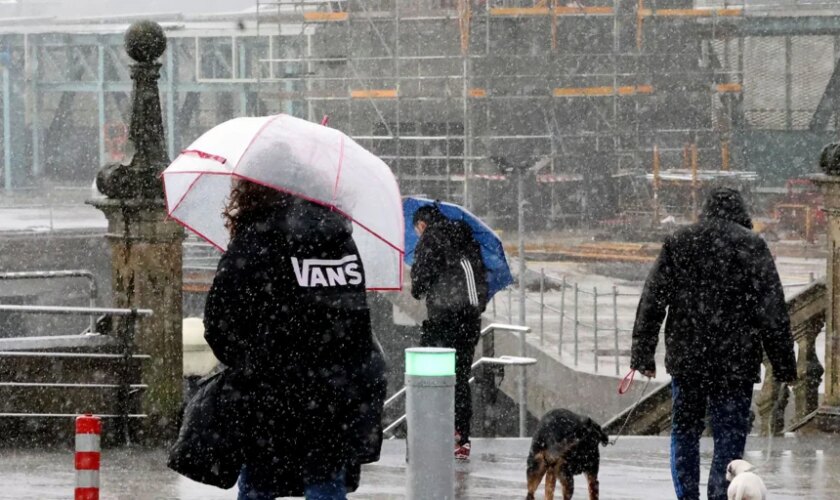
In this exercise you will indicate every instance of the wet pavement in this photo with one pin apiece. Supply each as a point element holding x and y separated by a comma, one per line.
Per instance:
<point>636,468</point>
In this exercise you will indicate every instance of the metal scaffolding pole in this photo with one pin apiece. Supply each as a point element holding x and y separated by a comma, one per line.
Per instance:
<point>171,97</point>
<point>523,384</point>
<point>100,101</point>
<point>7,131</point>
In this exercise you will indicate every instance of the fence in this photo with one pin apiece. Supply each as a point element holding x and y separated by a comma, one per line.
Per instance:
<point>115,349</point>
<point>599,322</point>
<point>68,273</point>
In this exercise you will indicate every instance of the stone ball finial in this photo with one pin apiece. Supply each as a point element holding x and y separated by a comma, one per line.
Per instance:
<point>830,159</point>
<point>145,41</point>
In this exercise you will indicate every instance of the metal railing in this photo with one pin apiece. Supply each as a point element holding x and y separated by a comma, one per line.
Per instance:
<point>66,273</point>
<point>82,346</point>
<point>592,317</point>
<point>520,360</point>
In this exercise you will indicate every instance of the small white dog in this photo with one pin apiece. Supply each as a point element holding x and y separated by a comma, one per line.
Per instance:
<point>744,483</point>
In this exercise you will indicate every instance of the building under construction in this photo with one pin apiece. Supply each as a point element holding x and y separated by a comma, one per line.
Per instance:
<point>590,97</point>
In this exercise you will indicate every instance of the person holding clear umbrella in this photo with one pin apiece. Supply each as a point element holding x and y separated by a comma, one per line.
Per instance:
<point>308,221</point>
<point>288,314</point>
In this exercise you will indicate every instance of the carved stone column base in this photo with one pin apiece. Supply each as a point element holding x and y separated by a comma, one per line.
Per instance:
<point>146,273</point>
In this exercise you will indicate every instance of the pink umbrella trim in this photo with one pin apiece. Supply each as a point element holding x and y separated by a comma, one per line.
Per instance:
<point>204,155</point>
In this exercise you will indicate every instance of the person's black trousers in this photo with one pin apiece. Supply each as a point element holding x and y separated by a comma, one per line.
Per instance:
<point>728,405</point>
<point>459,330</point>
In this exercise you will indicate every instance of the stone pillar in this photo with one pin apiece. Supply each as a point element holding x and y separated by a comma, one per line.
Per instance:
<point>809,372</point>
<point>828,415</point>
<point>146,248</point>
<point>771,403</point>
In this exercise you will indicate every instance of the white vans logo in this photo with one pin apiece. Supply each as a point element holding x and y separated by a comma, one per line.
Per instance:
<point>322,272</point>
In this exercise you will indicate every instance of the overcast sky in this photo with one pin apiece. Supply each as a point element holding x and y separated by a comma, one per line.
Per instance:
<point>85,8</point>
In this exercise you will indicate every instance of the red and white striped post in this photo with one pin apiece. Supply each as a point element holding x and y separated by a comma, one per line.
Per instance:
<point>88,429</point>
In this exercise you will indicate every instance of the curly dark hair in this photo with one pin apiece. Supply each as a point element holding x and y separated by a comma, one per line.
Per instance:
<point>248,199</point>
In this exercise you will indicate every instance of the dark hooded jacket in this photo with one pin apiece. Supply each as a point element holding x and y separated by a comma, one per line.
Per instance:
<point>448,270</point>
<point>288,314</point>
<point>724,300</point>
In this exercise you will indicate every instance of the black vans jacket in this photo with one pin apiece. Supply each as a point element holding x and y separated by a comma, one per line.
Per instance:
<point>288,314</point>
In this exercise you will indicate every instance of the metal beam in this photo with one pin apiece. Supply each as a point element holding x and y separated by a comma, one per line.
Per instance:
<point>100,102</point>
<point>92,86</point>
<point>35,119</point>
<point>7,130</point>
<point>826,107</point>
<point>788,83</point>
<point>787,26</point>
<point>188,110</point>
<point>171,96</point>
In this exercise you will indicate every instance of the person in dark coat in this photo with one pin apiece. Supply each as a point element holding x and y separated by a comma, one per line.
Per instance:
<point>725,309</point>
<point>288,313</point>
<point>449,273</point>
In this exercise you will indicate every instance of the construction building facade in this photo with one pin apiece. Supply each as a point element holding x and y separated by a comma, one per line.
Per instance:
<point>589,96</point>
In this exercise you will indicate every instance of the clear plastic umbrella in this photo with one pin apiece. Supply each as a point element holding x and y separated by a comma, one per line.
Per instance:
<point>295,156</point>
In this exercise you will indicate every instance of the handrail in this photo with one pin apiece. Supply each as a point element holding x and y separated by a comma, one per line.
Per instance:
<point>57,341</point>
<point>501,360</point>
<point>29,347</point>
<point>70,415</point>
<point>505,328</point>
<point>394,397</point>
<point>64,273</point>
<point>484,331</point>
<point>71,385</point>
<point>506,360</point>
<point>75,311</point>
<point>595,329</point>
<point>396,423</point>
<point>51,354</point>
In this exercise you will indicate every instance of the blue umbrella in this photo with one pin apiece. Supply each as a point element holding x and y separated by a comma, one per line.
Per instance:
<point>492,252</point>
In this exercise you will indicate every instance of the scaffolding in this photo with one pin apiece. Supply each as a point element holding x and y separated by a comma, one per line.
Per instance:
<point>438,87</point>
<point>441,88</point>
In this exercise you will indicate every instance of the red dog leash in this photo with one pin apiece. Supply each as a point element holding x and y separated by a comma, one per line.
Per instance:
<point>623,387</point>
<point>626,382</point>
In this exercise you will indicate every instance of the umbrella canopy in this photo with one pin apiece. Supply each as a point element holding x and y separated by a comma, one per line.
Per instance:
<point>313,162</point>
<point>492,252</point>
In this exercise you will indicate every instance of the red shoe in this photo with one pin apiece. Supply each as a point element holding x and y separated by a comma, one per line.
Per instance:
<point>462,452</point>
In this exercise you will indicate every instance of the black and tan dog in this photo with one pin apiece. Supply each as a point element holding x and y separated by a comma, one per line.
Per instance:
<point>564,445</point>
